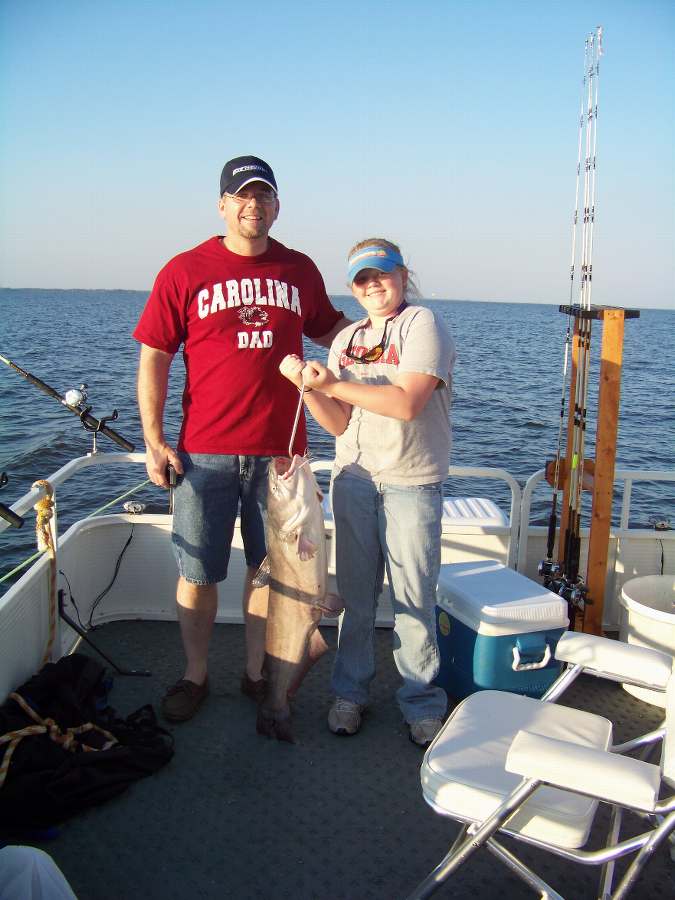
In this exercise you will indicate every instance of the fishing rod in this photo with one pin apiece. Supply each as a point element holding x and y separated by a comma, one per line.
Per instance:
<point>547,567</point>
<point>563,576</point>
<point>74,401</point>
<point>6,513</point>
<point>574,587</point>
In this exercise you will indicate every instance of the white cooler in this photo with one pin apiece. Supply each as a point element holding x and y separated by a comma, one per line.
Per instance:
<point>496,629</point>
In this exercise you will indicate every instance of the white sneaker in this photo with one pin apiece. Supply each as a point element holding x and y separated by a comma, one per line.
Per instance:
<point>344,716</point>
<point>424,731</point>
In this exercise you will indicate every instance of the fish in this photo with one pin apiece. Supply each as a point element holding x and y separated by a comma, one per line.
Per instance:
<point>296,570</point>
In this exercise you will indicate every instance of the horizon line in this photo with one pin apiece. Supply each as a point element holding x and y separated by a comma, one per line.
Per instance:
<point>432,299</point>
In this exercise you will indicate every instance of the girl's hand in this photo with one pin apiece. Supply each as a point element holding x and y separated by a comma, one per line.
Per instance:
<point>317,377</point>
<point>291,367</point>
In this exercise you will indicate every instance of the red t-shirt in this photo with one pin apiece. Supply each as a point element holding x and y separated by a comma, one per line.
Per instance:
<point>237,317</point>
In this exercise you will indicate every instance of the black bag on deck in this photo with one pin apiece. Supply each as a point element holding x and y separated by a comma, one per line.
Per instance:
<point>45,782</point>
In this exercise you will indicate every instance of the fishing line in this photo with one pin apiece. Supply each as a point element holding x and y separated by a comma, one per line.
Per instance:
<point>301,400</point>
<point>110,503</point>
<point>20,566</point>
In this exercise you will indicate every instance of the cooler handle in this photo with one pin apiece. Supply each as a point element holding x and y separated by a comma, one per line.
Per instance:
<point>517,666</point>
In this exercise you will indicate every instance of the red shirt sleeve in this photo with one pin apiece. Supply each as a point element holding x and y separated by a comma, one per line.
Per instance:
<point>162,324</point>
<point>324,315</point>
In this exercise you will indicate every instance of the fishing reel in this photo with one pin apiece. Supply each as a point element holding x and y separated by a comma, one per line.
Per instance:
<point>549,570</point>
<point>660,524</point>
<point>74,401</point>
<point>77,396</point>
<point>575,594</point>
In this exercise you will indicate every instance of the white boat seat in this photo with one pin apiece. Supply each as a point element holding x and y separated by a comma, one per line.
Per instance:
<point>535,770</point>
<point>464,774</point>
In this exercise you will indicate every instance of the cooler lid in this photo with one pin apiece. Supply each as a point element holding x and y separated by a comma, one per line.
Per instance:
<point>487,591</point>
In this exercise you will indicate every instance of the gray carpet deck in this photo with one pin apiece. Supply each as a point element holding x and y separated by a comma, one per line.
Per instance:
<point>236,815</point>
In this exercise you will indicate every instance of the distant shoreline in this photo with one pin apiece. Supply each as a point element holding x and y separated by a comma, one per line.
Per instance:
<point>337,296</point>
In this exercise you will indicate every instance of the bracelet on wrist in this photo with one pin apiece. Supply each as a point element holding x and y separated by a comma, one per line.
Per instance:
<point>305,390</point>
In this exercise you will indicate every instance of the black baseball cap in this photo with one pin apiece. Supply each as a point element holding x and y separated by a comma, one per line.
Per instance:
<point>243,170</point>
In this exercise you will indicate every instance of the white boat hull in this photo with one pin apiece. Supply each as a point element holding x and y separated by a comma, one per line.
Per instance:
<point>144,585</point>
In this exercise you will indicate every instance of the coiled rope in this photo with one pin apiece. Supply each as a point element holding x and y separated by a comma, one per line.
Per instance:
<point>44,512</point>
<point>67,739</point>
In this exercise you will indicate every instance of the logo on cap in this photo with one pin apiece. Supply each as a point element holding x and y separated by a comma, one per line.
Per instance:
<point>249,169</point>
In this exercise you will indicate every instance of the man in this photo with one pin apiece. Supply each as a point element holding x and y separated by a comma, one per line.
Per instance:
<point>238,305</point>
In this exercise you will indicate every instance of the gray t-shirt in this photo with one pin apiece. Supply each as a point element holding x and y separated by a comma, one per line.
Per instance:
<point>380,448</point>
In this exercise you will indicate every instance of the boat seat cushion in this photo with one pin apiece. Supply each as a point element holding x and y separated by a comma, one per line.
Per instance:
<point>627,662</point>
<point>609,776</point>
<point>464,770</point>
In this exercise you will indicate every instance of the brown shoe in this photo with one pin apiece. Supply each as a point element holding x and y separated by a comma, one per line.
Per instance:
<point>253,689</point>
<point>183,699</point>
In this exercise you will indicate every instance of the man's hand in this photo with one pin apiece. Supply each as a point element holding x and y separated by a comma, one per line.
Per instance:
<point>156,461</point>
<point>153,379</point>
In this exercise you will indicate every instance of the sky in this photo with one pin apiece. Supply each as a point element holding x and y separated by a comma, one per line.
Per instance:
<point>448,126</point>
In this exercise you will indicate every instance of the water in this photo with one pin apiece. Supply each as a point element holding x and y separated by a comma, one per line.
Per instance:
<point>506,397</point>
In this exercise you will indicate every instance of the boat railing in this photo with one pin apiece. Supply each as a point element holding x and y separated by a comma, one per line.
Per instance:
<point>633,551</point>
<point>483,472</point>
<point>28,500</point>
<point>520,507</point>
<point>625,477</point>
<point>71,468</point>
<point>498,474</point>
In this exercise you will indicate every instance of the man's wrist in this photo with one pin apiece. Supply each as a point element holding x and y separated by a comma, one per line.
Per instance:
<point>155,446</point>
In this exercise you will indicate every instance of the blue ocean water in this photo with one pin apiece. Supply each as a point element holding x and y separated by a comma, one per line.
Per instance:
<point>506,397</point>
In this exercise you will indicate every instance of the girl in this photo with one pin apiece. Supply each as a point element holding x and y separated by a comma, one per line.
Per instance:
<point>385,395</point>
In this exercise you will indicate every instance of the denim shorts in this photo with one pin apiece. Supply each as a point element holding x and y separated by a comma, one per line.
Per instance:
<point>207,498</point>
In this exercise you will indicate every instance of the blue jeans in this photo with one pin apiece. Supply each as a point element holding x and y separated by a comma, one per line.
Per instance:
<point>397,527</point>
<point>206,502</point>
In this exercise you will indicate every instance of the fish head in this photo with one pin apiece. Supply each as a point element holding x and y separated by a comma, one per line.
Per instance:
<point>293,496</point>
